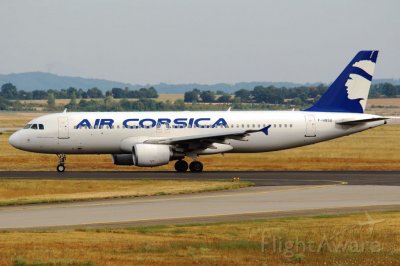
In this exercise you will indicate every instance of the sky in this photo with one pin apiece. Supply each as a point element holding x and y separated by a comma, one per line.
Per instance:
<point>197,41</point>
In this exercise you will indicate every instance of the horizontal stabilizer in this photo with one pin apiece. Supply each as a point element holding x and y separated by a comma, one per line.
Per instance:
<point>360,121</point>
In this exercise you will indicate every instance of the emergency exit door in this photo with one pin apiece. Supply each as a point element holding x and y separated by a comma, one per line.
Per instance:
<point>310,126</point>
<point>63,130</point>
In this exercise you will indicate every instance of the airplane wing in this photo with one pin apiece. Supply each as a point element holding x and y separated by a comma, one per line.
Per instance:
<point>208,138</point>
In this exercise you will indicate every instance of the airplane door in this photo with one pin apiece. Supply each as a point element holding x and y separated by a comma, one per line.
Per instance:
<point>310,126</point>
<point>63,130</point>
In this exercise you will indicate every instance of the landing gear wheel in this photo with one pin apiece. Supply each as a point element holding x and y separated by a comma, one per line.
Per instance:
<point>60,168</point>
<point>61,162</point>
<point>196,167</point>
<point>181,166</point>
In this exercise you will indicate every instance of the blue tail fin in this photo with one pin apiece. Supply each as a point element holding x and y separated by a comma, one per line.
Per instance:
<point>349,92</point>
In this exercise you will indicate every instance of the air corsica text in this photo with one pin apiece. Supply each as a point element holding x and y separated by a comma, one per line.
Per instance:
<point>150,123</point>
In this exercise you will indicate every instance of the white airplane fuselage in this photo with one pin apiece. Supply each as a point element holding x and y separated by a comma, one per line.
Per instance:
<point>286,129</point>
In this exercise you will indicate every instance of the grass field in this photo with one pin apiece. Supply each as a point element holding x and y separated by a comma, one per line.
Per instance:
<point>376,149</point>
<point>17,120</point>
<point>320,240</point>
<point>384,102</point>
<point>17,192</point>
<point>384,106</point>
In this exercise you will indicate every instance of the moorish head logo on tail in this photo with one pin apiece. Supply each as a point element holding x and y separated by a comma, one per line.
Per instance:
<point>349,92</point>
<point>358,84</point>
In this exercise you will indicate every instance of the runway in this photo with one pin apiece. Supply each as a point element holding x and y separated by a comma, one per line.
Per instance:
<point>259,178</point>
<point>276,194</point>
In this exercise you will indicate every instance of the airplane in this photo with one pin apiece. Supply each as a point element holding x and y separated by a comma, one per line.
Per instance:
<point>149,139</point>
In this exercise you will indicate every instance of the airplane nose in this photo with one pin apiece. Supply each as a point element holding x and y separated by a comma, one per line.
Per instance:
<point>14,140</point>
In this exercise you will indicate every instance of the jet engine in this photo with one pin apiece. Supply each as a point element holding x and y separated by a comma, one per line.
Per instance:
<point>151,154</point>
<point>147,155</point>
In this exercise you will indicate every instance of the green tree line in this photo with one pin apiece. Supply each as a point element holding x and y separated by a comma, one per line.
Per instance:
<point>94,100</point>
<point>272,95</point>
<point>10,92</point>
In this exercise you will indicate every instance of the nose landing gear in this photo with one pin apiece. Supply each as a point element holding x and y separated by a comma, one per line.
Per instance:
<point>61,161</point>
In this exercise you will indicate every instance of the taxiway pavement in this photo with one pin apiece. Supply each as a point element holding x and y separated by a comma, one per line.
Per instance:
<point>275,194</point>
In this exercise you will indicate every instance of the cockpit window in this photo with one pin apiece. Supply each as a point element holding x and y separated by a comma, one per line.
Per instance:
<point>27,126</point>
<point>34,126</point>
<point>41,127</point>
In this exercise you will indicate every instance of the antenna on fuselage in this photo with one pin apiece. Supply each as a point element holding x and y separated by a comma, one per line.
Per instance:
<point>229,109</point>
<point>65,111</point>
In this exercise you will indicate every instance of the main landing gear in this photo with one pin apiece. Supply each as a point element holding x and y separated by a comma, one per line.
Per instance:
<point>182,166</point>
<point>196,167</point>
<point>61,162</point>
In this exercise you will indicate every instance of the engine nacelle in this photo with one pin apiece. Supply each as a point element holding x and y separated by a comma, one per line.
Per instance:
<point>151,154</point>
<point>122,159</point>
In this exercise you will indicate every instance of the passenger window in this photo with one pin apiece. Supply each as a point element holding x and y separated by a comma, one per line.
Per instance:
<point>34,126</point>
<point>41,127</point>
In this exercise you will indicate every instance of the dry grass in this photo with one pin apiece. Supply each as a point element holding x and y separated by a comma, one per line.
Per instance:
<point>384,106</point>
<point>170,97</point>
<point>297,242</point>
<point>375,149</point>
<point>16,192</point>
<point>59,102</point>
<point>12,119</point>
<point>384,102</point>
